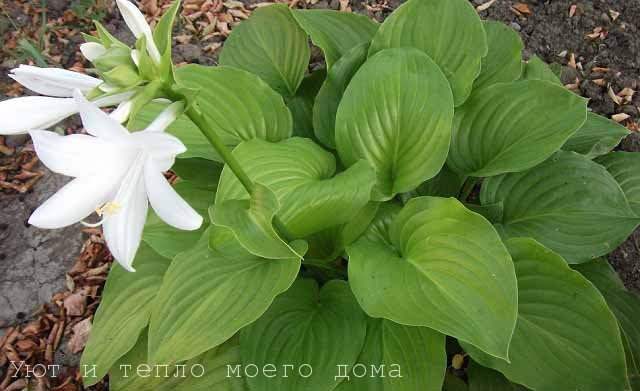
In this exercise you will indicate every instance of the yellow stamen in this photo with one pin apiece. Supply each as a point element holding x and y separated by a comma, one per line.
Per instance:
<point>110,208</point>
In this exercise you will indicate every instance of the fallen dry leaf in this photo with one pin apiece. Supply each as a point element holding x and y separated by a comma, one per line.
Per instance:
<point>572,10</point>
<point>620,117</point>
<point>522,8</point>
<point>485,6</point>
<point>75,304</point>
<point>80,336</point>
<point>614,14</point>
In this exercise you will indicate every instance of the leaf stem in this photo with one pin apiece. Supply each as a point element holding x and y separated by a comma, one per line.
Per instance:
<point>216,141</point>
<point>469,184</point>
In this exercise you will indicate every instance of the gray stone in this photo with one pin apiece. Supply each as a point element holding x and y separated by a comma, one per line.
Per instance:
<point>33,261</point>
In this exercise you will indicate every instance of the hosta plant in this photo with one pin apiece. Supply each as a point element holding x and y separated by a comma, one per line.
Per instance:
<point>426,211</point>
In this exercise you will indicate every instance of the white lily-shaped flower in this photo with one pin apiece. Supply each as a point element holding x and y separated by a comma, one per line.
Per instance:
<point>117,174</point>
<point>138,26</point>
<point>19,115</point>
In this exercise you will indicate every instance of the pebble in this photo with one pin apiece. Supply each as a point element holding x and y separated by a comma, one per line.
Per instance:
<point>515,26</point>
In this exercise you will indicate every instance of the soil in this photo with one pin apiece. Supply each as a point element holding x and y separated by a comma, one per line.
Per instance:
<point>549,29</point>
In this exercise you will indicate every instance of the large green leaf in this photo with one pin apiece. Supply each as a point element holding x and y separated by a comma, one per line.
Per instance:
<point>271,45</point>
<point>330,94</point>
<point>123,312</point>
<point>625,168</point>
<point>503,62</point>
<point>575,337</point>
<point>444,268</point>
<point>486,379</point>
<point>209,371</point>
<point>336,32</point>
<point>208,294</point>
<point>624,304</point>
<point>301,174</point>
<point>416,353</point>
<point>396,113</point>
<point>301,105</point>
<point>251,222</point>
<point>568,203</point>
<point>204,174</point>
<point>446,184</point>
<point>169,241</point>
<point>536,69</point>
<point>449,31</point>
<point>510,127</point>
<point>598,135</point>
<point>305,326</point>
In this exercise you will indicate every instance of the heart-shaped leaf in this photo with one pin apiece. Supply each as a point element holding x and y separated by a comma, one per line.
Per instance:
<point>503,62</point>
<point>598,136</point>
<point>203,174</point>
<point>500,129</point>
<point>444,268</point>
<point>624,304</point>
<point>568,203</point>
<point>625,168</point>
<point>169,241</point>
<point>251,222</point>
<point>271,45</point>
<point>203,373</point>
<point>330,94</point>
<point>417,353</point>
<point>123,313</point>
<point>396,113</point>
<point>208,294</point>
<point>564,313</point>
<point>449,31</point>
<point>336,32</point>
<point>301,174</point>
<point>306,327</point>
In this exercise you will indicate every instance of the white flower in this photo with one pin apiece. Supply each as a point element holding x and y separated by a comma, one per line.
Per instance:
<point>53,81</point>
<point>92,50</point>
<point>139,27</point>
<point>117,174</point>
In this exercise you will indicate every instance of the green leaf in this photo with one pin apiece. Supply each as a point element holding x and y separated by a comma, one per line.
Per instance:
<point>396,113</point>
<point>624,304</point>
<point>251,222</point>
<point>568,203</point>
<point>202,173</point>
<point>301,105</point>
<point>240,105</point>
<point>209,371</point>
<point>503,62</point>
<point>536,69</point>
<point>625,168</point>
<point>486,379</point>
<point>321,328</point>
<point>598,136</point>
<point>566,315</point>
<point>208,294</point>
<point>445,268</point>
<point>271,45</point>
<point>169,241</point>
<point>330,94</point>
<point>106,38</point>
<point>417,353</point>
<point>123,312</point>
<point>449,31</point>
<point>336,32</point>
<point>454,383</point>
<point>500,128</point>
<point>301,174</point>
<point>378,230</point>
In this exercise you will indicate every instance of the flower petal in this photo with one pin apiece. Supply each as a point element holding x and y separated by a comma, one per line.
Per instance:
<point>159,145</point>
<point>169,206</point>
<point>97,122</point>
<point>73,202</point>
<point>19,115</point>
<point>123,230</point>
<point>53,81</point>
<point>121,113</point>
<point>166,117</point>
<point>92,50</point>
<point>82,155</point>
<point>138,25</point>
<point>113,99</point>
